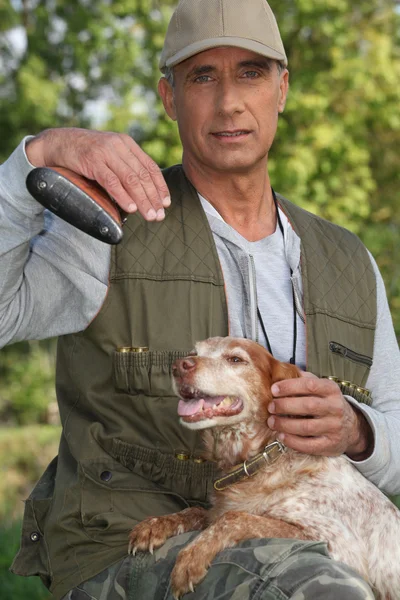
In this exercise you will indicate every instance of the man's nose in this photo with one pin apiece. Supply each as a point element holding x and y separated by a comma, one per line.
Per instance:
<point>229,99</point>
<point>183,365</point>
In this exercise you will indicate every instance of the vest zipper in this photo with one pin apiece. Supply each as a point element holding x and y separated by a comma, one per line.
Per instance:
<point>297,302</point>
<point>350,354</point>
<point>253,300</point>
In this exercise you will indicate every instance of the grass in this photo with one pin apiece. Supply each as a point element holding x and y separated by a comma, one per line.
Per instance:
<point>25,452</point>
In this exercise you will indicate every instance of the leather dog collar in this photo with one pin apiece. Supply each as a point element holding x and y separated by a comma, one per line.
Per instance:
<point>269,455</point>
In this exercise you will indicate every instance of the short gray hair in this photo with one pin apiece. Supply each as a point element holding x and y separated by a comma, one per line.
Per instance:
<point>281,67</point>
<point>169,75</point>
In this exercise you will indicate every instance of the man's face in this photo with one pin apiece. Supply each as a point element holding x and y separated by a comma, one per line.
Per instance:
<point>226,102</point>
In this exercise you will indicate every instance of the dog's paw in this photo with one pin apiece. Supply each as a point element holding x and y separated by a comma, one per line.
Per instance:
<point>150,534</point>
<point>190,568</point>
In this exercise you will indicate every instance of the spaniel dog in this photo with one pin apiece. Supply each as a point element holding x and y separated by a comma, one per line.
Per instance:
<point>266,490</point>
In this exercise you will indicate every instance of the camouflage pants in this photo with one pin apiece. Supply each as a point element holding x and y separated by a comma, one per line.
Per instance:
<point>269,569</point>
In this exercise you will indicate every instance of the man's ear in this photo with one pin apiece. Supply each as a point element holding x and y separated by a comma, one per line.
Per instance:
<point>283,90</point>
<point>281,370</point>
<point>167,96</point>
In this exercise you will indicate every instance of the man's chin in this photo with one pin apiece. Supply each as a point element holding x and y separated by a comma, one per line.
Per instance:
<point>242,157</point>
<point>236,163</point>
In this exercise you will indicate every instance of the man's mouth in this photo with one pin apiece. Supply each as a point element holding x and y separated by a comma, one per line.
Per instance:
<point>196,406</point>
<point>231,134</point>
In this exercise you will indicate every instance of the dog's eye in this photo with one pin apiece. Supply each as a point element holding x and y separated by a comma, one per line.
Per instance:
<point>235,359</point>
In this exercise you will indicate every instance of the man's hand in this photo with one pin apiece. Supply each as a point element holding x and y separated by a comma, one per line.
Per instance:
<point>312,416</point>
<point>114,160</point>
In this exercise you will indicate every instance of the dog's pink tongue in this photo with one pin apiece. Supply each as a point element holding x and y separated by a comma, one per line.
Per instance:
<point>186,408</point>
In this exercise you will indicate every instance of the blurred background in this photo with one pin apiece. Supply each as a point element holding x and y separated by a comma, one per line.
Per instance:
<point>93,63</point>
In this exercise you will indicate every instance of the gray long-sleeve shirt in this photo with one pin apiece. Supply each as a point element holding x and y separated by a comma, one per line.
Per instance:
<point>54,279</point>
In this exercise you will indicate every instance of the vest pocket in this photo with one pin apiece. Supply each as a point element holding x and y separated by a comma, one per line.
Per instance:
<point>345,352</point>
<point>148,373</point>
<point>349,367</point>
<point>114,499</point>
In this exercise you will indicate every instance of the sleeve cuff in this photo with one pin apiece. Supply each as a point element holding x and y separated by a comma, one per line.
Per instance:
<point>375,462</point>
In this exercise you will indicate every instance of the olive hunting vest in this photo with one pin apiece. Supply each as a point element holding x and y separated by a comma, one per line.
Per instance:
<point>123,455</point>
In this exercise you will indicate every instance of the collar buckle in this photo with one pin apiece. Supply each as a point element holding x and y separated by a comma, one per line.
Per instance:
<point>276,444</point>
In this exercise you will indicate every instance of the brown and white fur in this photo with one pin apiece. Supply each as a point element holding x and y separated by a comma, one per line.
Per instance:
<point>299,496</point>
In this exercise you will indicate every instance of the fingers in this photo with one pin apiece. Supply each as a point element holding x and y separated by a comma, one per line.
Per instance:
<point>131,192</point>
<point>325,436</point>
<point>312,406</point>
<point>309,427</point>
<point>306,385</point>
<point>306,396</point>
<point>131,177</point>
<point>312,416</point>
<point>321,446</point>
<point>147,174</point>
<point>114,160</point>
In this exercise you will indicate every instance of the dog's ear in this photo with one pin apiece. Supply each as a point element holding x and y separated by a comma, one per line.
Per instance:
<point>281,370</point>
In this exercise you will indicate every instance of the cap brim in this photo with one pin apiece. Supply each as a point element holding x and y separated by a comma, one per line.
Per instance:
<point>237,42</point>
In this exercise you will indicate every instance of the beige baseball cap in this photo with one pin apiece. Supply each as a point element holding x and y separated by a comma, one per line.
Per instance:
<point>198,25</point>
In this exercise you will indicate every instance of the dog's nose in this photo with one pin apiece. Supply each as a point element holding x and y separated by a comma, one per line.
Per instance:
<point>183,365</point>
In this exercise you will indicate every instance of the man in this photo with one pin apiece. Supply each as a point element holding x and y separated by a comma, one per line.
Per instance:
<point>212,253</point>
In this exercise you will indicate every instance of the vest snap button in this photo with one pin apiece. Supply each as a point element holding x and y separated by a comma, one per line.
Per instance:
<point>106,476</point>
<point>182,455</point>
<point>198,459</point>
<point>35,536</point>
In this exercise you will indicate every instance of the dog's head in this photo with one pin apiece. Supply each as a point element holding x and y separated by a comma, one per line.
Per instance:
<point>226,381</point>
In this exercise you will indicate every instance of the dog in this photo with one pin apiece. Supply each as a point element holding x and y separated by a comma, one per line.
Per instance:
<point>267,490</point>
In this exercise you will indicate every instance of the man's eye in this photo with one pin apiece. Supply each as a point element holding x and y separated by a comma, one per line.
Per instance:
<point>251,74</point>
<point>202,79</point>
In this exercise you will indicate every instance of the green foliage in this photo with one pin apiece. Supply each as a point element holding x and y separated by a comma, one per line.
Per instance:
<point>79,52</point>
<point>26,383</point>
<point>24,454</point>
<point>337,149</point>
